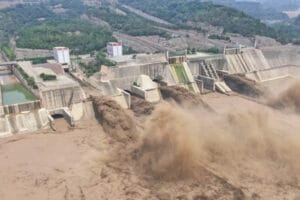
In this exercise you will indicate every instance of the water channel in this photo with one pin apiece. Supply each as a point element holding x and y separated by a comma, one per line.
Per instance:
<point>13,92</point>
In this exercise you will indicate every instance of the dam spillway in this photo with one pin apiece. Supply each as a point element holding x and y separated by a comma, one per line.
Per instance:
<point>245,60</point>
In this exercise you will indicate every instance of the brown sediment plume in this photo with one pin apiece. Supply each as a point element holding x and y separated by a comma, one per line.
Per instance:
<point>140,106</point>
<point>181,154</point>
<point>235,149</point>
<point>242,85</point>
<point>114,119</point>
<point>169,149</point>
<point>288,99</point>
<point>179,144</point>
<point>182,96</point>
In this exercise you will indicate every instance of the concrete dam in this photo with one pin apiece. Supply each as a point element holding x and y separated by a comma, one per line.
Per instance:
<point>282,55</point>
<point>203,72</point>
<point>36,102</point>
<point>20,109</point>
<point>28,101</point>
<point>245,60</point>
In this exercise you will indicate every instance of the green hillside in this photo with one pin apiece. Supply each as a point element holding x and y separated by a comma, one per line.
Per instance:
<point>182,12</point>
<point>128,23</point>
<point>71,23</point>
<point>39,26</point>
<point>289,31</point>
<point>80,37</point>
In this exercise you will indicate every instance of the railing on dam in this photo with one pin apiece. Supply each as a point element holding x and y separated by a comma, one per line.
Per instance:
<point>231,51</point>
<point>21,107</point>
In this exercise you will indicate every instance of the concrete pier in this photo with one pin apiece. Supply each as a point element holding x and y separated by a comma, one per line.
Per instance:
<point>146,88</point>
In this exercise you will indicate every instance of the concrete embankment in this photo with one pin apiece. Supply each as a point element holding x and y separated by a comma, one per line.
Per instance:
<point>183,76</point>
<point>282,55</point>
<point>245,60</point>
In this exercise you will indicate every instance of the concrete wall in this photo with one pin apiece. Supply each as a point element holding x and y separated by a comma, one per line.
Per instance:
<point>199,83</point>
<point>1,107</point>
<point>282,55</point>
<point>58,98</point>
<point>21,107</point>
<point>208,83</point>
<point>153,95</point>
<point>248,60</point>
<point>64,112</point>
<point>127,97</point>
<point>274,73</point>
<point>18,75</point>
<point>232,51</point>
<point>24,122</point>
<point>218,62</point>
<point>122,99</point>
<point>138,91</point>
<point>150,95</point>
<point>125,76</point>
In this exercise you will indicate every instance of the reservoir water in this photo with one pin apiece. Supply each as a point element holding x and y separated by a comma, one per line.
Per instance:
<point>14,92</point>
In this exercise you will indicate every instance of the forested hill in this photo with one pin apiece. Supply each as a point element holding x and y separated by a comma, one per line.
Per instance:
<point>41,26</point>
<point>182,12</point>
<point>297,21</point>
<point>69,23</point>
<point>289,31</point>
<point>87,25</point>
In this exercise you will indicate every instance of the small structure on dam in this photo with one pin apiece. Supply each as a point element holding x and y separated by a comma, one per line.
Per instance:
<point>20,109</point>
<point>30,94</point>
<point>264,64</point>
<point>200,72</point>
<point>147,89</point>
<point>156,66</point>
<point>114,81</point>
<point>130,67</point>
<point>180,71</point>
<point>110,90</point>
<point>244,60</point>
<point>259,65</point>
<point>55,90</point>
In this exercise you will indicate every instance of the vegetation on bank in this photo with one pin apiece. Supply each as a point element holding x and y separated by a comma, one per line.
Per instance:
<point>211,50</point>
<point>180,72</point>
<point>14,18</point>
<point>289,31</point>
<point>38,60</point>
<point>94,66</point>
<point>128,50</point>
<point>80,37</point>
<point>219,37</point>
<point>9,53</point>
<point>29,79</point>
<point>127,22</point>
<point>47,77</point>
